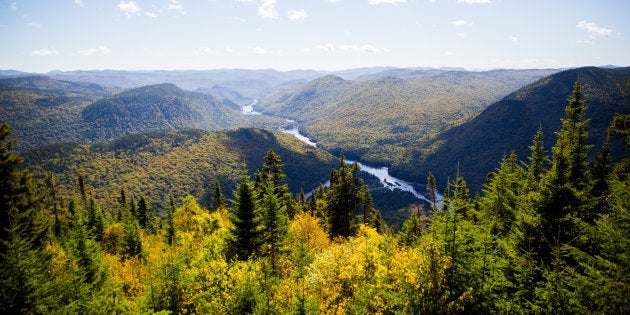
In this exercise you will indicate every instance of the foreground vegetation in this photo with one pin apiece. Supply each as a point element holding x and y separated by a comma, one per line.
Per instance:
<point>549,235</point>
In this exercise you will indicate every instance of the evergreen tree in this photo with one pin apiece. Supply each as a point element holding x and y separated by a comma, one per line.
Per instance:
<point>51,184</point>
<point>574,135</point>
<point>218,200</point>
<point>537,158</point>
<point>562,193</point>
<point>600,175</point>
<point>272,171</point>
<point>274,226</point>
<point>170,221</point>
<point>432,189</point>
<point>143,213</point>
<point>95,220</point>
<point>122,205</point>
<point>245,235</point>
<point>413,228</point>
<point>342,198</point>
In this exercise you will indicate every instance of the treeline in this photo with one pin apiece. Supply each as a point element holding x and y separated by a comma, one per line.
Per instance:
<point>549,235</point>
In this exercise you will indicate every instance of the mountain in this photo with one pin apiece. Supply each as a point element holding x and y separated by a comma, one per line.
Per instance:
<point>248,83</point>
<point>379,120</point>
<point>510,124</point>
<point>157,107</point>
<point>180,162</point>
<point>42,110</point>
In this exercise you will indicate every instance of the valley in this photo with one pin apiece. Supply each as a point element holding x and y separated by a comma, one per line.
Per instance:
<point>223,198</point>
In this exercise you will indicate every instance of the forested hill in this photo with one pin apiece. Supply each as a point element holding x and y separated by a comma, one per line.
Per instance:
<point>178,163</point>
<point>42,111</point>
<point>378,120</point>
<point>157,107</point>
<point>511,123</point>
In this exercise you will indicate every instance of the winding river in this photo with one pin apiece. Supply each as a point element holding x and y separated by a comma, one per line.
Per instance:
<point>382,173</point>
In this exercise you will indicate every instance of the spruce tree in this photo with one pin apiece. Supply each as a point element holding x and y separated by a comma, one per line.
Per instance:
<point>432,189</point>
<point>143,212</point>
<point>537,158</point>
<point>600,175</point>
<point>218,200</point>
<point>272,171</point>
<point>574,135</point>
<point>245,235</point>
<point>170,221</point>
<point>342,198</point>
<point>274,226</point>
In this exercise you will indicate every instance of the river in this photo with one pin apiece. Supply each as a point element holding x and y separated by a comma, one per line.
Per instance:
<point>382,173</point>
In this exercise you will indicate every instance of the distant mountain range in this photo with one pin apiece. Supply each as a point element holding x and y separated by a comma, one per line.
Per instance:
<point>43,110</point>
<point>378,120</point>
<point>510,124</point>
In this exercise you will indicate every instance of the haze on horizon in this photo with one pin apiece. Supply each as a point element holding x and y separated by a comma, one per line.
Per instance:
<point>40,36</point>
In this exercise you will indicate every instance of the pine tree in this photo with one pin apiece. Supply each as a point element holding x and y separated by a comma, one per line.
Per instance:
<point>218,200</point>
<point>600,175</point>
<point>562,192</point>
<point>274,226</point>
<point>342,198</point>
<point>574,135</point>
<point>170,221</point>
<point>52,194</point>
<point>245,235</point>
<point>432,189</point>
<point>95,220</point>
<point>537,158</point>
<point>143,213</point>
<point>272,171</point>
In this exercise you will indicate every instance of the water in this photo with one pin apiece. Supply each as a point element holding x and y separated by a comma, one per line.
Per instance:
<point>382,173</point>
<point>249,109</point>
<point>296,133</point>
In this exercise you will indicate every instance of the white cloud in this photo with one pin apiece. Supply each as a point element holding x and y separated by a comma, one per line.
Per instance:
<point>333,1</point>
<point>79,2</point>
<point>91,51</point>
<point>13,6</point>
<point>176,6</point>
<point>449,53</point>
<point>461,22</point>
<point>104,50</point>
<point>585,42</point>
<point>260,51</point>
<point>593,29</point>
<point>267,9</point>
<point>514,39</point>
<point>150,14</point>
<point>129,8</point>
<point>297,14</point>
<point>229,50</point>
<point>44,52</point>
<point>474,1</point>
<point>325,47</point>
<point>367,48</point>
<point>375,2</point>
<point>204,51</point>
<point>87,52</point>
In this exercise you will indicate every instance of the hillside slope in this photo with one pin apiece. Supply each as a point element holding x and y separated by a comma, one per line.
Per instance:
<point>42,111</point>
<point>377,121</point>
<point>511,123</point>
<point>159,164</point>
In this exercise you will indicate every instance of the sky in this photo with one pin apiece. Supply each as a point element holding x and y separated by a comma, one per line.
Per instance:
<point>45,35</point>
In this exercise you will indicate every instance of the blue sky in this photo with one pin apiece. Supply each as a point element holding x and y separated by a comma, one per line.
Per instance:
<point>44,35</point>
